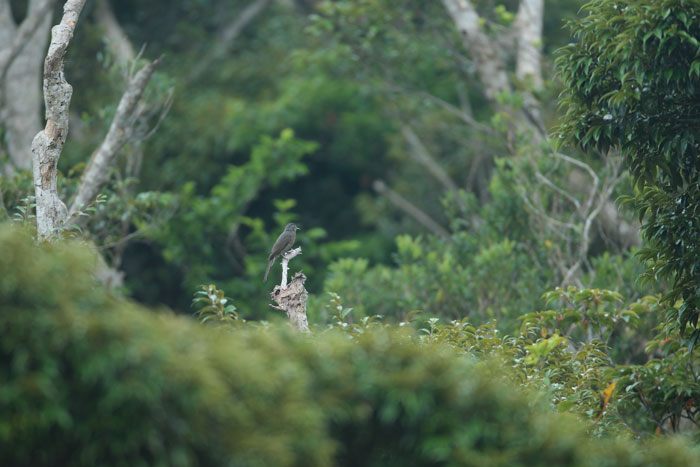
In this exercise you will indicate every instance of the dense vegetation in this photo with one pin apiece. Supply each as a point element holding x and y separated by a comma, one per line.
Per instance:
<point>480,292</point>
<point>92,379</point>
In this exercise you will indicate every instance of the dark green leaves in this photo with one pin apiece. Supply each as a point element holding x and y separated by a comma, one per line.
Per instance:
<point>637,62</point>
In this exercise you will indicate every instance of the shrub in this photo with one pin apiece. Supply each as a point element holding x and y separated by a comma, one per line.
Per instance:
<point>89,379</point>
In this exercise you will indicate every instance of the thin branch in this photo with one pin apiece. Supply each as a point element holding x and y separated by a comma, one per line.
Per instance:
<point>286,257</point>
<point>456,111</point>
<point>577,163</point>
<point>421,155</point>
<point>117,39</point>
<point>227,38</point>
<point>162,111</point>
<point>545,216</point>
<point>554,187</point>
<point>412,210</point>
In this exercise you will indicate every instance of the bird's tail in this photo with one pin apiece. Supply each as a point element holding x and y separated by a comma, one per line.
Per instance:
<point>267,271</point>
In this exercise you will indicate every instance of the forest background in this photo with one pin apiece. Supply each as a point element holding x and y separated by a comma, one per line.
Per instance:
<point>458,167</point>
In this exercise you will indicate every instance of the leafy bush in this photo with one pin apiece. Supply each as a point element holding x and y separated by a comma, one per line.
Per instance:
<point>90,379</point>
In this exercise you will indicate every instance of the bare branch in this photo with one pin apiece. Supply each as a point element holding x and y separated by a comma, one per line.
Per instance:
<point>421,155</point>
<point>117,40</point>
<point>286,257</point>
<point>410,209</point>
<point>48,143</point>
<point>465,117</point>
<point>554,187</point>
<point>120,132</point>
<point>227,37</point>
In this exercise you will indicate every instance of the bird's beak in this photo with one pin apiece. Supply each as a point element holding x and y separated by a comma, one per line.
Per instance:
<point>298,228</point>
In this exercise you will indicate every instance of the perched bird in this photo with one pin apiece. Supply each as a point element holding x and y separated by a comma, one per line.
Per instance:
<point>282,245</point>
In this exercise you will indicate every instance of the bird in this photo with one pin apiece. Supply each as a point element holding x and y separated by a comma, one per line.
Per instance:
<point>282,245</point>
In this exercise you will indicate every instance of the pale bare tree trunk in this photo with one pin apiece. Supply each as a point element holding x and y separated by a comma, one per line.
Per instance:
<point>529,58</point>
<point>48,143</point>
<point>21,87</point>
<point>487,57</point>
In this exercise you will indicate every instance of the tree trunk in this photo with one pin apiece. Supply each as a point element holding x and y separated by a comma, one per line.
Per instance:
<point>48,143</point>
<point>21,88</point>
<point>528,65</point>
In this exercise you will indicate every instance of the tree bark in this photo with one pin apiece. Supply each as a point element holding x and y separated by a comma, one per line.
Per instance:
<point>490,59</point>
<point>48,143</point>
<point>292,298</point>
<point>20,70</point>
<point>528,65</point>
<point>487,58</point>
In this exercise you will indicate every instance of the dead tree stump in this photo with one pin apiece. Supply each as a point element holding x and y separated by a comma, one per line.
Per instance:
<point>291,298</point>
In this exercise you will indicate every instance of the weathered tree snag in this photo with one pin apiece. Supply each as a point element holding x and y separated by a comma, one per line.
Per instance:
<point>22,49</point>
<point>292,298</point>
<point>48,143</point>
<point>120,132</point>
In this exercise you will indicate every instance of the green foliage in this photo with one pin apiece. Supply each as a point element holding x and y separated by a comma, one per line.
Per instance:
<point>570,378</point>
<point>594,356</point>
<point>492,272</point>
<point>203,227</point>
<point>212,304</point>
<point>91,379</point>
<point>631,82</point>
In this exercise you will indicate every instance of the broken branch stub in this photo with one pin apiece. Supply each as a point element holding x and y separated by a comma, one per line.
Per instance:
<point>291,298</point>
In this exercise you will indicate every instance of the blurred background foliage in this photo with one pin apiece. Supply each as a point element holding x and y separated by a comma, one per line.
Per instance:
<point>294,123</point>
<point>91,378</point>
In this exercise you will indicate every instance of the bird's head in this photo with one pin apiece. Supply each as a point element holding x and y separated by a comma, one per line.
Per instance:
<point>292,228</point>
